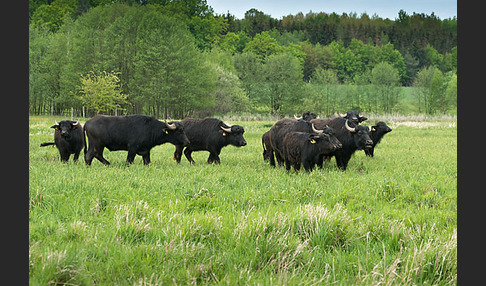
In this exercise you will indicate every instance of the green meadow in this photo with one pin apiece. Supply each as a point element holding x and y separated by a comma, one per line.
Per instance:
<point>387,220</point>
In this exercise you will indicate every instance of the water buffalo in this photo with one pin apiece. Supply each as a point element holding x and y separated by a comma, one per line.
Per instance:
<point>352,137</point>
<point>137,134</point>
<point>307,116</point>
<point>353,116</point>
<point>209,134</point>
<point>305,148</point>
<point>267,147</point>
<point>68,138</point>
<point>277,133</point>
<point>377,132</point>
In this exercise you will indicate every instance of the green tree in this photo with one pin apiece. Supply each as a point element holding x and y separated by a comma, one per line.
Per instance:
<point>207,30</point>
<point>249,69</point>
<point>324,82</point>
<point>263,45</point>
<point>230,97</point>
<point>172,75</point>
<point>385,78</point>
<point>283,80</point>
<point>451,91</point>
<point>422,91</point>
<point>39,43</point>
<point>438,99</point>
<point>101,92</point>
<point>53,15</point>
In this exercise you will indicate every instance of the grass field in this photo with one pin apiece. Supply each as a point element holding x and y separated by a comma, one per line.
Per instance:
<point>387,220</point>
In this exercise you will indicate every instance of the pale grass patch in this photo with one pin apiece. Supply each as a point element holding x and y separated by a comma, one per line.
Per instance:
<point>136,216</point>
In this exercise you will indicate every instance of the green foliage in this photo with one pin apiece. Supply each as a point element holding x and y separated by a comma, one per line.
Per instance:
<point>101,92</point>
<point>263,45</point>
<point>389,220</point>
<point>53,15</point>
<point>172,67</point>
<point>386,79</point>
<point>170,71</point>
<point>433,93</point>
<point>283,80</point>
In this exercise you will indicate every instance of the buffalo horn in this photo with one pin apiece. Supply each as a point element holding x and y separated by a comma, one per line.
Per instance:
<point>228,130</point>
<point>342,115</point>
<point>315,130</point>
<point>349,128</point>
<point>171,126</point>
<point>297,118</point>
<point>55,122</point>
<point>76,123</point>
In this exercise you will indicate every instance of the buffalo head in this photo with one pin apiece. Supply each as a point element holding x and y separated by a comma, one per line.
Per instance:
<point>233,133</point>
<point>176,134</point>
<point>64,127</point>
<point>361,136</point>
<point>353,116</point>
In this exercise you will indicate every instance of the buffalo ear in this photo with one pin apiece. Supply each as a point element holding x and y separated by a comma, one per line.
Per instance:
<point>55,126</point>
<point>362,118</point>
<point>313,139</point>
<point>373,128</point>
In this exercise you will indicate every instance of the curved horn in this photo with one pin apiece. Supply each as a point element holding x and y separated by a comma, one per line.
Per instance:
<point>228,130</point>
<point>342,115</point>
<point>315,130</point>
<point>171,126</point>
<point>76,123</point>
<point>297,118</point>
<point>55,122</point>
<point>349,128</point>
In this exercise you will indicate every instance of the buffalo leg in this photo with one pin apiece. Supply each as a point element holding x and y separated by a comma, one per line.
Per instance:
<point>271,158</point>
<point>308,166</point>
<point>280,159</point>
<point>178,153</point>
<point>297,167</point>
<point>214,158</point>
<point>342,161</point>
<point>76,156</point>
<point>88,156</point>
<point>65,157</point>
<point>146,158</point>
<point>131,156</point>
<point>287,165</point>
<point>187,153</point>
<point>98,154</point>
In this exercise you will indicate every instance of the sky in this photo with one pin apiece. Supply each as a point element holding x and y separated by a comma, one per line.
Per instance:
<point>383,8</point>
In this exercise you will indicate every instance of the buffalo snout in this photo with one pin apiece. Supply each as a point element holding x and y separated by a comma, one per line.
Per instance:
<point>369,144</point>
<point>336,146</point>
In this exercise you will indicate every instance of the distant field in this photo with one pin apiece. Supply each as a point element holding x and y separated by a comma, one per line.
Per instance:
<point>387,220</point>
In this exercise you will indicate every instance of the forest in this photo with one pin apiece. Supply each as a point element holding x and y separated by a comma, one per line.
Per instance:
<point>174,58</point>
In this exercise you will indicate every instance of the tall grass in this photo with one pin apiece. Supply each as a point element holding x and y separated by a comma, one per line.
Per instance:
<point>387,220</point>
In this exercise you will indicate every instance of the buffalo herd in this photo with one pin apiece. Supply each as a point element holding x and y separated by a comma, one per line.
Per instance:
<point>306,140</point>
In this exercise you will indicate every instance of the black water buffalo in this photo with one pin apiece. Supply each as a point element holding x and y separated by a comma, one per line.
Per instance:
<point>267,146</point>
<point>278,131</point>
<point>353,116</point>
<point>137,134</point>
<point>377,132</point>
<point>307,116</point>
<point>352,137</point>
<point>209,134</point>
<point>68,138</point>
<point>305,148</point>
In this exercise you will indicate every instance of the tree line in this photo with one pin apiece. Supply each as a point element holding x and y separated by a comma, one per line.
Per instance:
<point>177,58</point>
